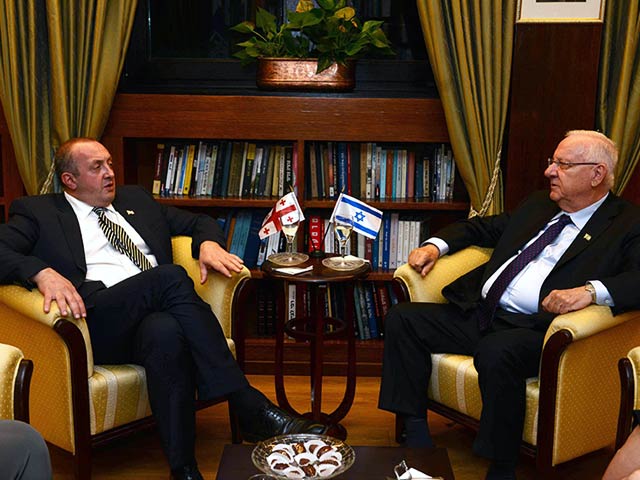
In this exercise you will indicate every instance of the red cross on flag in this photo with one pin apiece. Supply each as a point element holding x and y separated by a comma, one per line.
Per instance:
<point>287,209</point>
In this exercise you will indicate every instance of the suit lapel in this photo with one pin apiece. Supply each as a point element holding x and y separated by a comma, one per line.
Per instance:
<point>524,231</point>
<point>137,222</point>
<point>71,229</point>
<point>596,226</point>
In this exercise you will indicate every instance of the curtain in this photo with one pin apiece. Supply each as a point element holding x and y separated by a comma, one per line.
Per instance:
<point>618,114</point>
<point>60,62</point>
<point>470,44</point>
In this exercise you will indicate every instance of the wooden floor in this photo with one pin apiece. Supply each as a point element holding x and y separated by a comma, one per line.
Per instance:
<point>140,456</point>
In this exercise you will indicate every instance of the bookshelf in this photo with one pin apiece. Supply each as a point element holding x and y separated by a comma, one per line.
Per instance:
<point>138,122</point>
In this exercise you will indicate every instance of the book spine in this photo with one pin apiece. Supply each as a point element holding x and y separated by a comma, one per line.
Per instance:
<point>247,169</point>
<point>157,175</point>
<point>371,310</point>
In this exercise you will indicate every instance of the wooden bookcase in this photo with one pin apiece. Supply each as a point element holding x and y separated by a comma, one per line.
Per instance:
<point>139,121</point>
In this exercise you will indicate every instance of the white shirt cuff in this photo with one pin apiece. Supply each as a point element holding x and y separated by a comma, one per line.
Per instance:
<point>603,297</point>
<point>439,243</point>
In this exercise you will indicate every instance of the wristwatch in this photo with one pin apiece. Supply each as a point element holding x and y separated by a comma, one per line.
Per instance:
<point>592,290</point>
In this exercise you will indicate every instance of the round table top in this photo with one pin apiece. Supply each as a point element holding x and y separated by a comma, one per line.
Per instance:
<point>319,273</point>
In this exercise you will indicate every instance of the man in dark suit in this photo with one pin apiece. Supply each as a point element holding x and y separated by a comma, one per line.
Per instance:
<point>500,311</point>
<point>140,307</point>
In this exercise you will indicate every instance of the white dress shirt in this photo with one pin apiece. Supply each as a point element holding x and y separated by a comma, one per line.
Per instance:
<point>104,262</point>
<point>524,290</point>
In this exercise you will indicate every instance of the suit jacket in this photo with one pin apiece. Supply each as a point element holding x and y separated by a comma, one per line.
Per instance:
<point>607,249</point>
<point>43,231</point>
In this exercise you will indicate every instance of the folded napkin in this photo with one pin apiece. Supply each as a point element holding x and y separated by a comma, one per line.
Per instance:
<point>413,474</point>
<point>294,270</point>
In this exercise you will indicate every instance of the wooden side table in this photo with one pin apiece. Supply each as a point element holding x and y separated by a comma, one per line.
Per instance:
<point>312,329</point>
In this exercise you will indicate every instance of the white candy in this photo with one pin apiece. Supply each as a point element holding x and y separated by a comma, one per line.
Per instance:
<point>325,469</point>
<point>305,458</point>
<point>293,472</point>
<point>277,457</point>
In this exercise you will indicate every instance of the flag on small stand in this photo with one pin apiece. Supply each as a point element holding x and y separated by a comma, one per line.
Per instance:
<point>366,219</point>
<point>287,206</point>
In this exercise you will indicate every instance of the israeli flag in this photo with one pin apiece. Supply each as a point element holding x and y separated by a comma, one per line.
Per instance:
<point>366,219</point>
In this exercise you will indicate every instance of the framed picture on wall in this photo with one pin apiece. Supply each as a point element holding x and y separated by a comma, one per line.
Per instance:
<point>560,11</point>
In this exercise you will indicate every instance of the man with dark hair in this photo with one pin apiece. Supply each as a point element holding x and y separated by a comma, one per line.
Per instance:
<point>107,257</point>
<point>558,252</point>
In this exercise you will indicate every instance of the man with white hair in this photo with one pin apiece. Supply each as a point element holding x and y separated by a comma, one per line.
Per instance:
<point>558,252</point>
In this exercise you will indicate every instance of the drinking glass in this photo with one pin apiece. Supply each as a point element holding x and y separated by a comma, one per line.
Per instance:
<point>342,228</point>
<point>290,257</point>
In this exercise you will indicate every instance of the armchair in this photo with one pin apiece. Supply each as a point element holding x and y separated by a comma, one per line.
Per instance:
<point>77,405</point>
<point>629,370</point>
<point>571,405</point>
<point>15,378</point>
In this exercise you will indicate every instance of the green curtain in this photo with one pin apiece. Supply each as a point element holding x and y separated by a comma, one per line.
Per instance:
<point>618,114</point>
<point>470,44</point>
<point>60,62</point>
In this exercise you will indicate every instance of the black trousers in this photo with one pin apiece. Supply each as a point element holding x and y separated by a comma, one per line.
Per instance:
<point>504,356</point>
<point>157,320</point>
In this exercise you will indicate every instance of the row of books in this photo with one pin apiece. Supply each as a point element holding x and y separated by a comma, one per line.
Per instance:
<point>224,169</point>
<point>399,234</point>
<point>373,171</point>
<point>371,301</point>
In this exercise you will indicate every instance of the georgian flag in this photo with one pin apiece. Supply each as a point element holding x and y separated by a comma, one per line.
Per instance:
<point>366,219</point>
<point>287,206</point>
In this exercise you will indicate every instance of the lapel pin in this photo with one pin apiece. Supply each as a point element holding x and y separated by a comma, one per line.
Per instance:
<point>587,237</point>
<point>130,212</point>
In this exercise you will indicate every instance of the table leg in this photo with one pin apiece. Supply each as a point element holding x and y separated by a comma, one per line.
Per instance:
<point>317,358</point>
<point>281,319</point>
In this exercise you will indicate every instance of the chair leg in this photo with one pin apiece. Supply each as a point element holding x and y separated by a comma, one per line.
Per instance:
<point>234,422</point>
<point>82,463</point>
<point>399,429</point>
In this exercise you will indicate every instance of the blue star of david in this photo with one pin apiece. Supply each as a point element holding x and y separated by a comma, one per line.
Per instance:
<point>359,216</point>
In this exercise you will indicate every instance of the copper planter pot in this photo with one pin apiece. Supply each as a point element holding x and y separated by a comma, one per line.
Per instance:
<point>299,74</point>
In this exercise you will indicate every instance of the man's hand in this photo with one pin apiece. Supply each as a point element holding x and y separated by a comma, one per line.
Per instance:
<point>563,301</point>
<point>423,259</point>
<point>56,287</point>
<point>212,255</point>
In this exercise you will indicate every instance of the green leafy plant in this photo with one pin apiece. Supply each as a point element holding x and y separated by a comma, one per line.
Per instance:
<point>329,32</point>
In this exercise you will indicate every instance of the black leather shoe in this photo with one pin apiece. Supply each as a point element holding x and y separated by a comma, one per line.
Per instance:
<point>188,472</point>
<point>270,421</point>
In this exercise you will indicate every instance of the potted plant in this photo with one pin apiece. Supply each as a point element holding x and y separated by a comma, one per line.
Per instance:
<point>314,49</point>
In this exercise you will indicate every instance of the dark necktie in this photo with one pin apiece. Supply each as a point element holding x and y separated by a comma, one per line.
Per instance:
<point>121,241</point>
<point>488,307</point>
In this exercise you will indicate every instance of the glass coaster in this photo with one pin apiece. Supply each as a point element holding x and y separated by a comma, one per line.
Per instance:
<point>343,264</point>
<point>288,259</point>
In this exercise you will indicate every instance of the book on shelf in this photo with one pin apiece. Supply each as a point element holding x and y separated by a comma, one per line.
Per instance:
<point>240,233</point>
<point>157,170</point>
<point>249,156</point>
<point>252,247</point>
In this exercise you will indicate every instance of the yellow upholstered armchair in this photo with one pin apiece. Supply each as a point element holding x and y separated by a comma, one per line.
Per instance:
<point>77,405</point>
<point>629,369</point>
<point>571,405</point>
<point>15,377</point>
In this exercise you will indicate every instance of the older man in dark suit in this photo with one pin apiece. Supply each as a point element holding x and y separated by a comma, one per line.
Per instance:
<point>108,256</point>
<point>558,252</point>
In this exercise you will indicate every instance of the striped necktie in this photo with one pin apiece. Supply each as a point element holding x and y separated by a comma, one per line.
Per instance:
<point>120,240</point>
<point>487,308</point>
